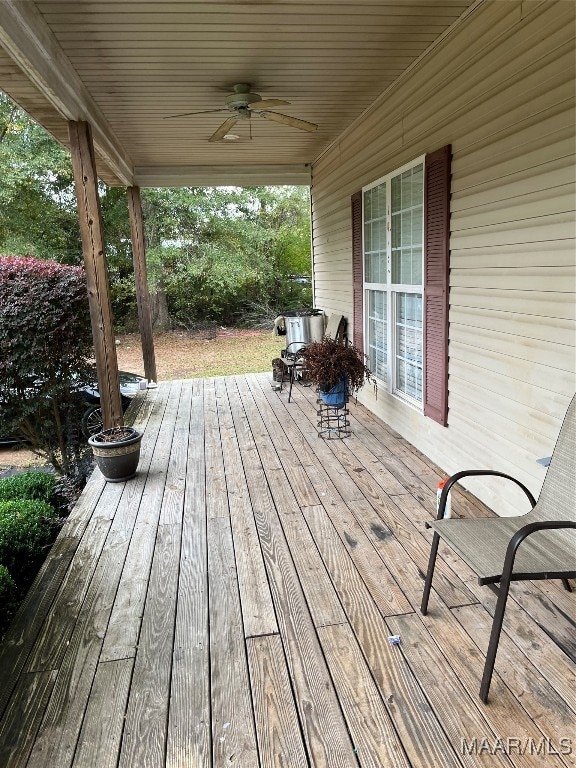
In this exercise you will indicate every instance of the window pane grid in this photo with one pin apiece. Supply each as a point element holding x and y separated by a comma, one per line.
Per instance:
<point>377,334</point>
<point>393,274</point>
<point>408,347</point>
<point>407,214</point>
<point>375,245</point>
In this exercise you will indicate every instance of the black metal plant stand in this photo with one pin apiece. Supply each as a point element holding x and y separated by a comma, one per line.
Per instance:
<point>333,423</point>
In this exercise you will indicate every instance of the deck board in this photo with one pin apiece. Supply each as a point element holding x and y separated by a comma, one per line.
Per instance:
<point>230,606</point>
<point>189,737</point>
<point>279,736</point>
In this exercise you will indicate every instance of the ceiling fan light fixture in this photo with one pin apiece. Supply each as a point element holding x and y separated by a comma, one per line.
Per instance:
<point>241,105</point>
<point>242,100</point>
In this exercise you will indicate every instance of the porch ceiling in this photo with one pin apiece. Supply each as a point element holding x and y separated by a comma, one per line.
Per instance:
<point>125,66</point>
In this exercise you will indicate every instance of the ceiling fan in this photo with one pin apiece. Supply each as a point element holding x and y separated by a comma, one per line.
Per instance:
<point>243,104</point>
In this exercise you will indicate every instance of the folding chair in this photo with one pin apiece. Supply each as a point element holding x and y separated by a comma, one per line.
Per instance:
<point>538,545</point>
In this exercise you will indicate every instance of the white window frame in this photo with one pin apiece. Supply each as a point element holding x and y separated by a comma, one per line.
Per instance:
<point>391,289</point>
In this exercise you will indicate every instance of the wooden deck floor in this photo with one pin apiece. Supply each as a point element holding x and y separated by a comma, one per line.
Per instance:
<point>231,605</point>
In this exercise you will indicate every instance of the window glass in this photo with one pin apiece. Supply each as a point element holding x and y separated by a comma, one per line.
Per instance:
<point>409,344</point>
<point>375,235</point>
<point>393,259</point>
<point>377,334</point>
<point>407,223</point>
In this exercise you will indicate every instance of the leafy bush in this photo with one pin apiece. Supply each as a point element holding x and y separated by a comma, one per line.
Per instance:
<point>46,344</point>
<point>8,598</point>
<point>28,485</point>
<point>7,586</point>
<point>26,528</point>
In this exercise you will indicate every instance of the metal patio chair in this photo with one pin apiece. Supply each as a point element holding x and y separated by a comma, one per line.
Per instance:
<point>292,360</point>
<point>538,545</point>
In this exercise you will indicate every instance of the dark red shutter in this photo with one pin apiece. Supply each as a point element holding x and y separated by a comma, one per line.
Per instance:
<point>357,271</point>
<point>436,271</point>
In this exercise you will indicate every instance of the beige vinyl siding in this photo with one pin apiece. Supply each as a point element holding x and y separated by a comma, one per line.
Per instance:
<point>500,88</point>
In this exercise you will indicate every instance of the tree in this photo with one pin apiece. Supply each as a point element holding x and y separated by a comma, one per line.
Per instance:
<point>217,252</point>
<point>37,203</point>
<point>213,252</point>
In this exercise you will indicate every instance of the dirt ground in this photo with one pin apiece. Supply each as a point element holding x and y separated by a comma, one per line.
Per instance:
<point>182,355</point>
<point>17,458</point>
<point>221,352</point>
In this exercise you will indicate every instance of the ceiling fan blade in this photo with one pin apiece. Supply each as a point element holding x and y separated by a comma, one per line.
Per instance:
<point>267,103</point>
<point>223,130</point>
<point>202,112</point>
<point>294,122</point>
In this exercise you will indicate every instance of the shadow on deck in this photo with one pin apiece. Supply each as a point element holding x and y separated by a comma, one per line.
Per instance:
<point>231,605</point>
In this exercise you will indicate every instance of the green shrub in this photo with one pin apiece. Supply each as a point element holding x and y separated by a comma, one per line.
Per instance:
<point>9,598</point>
<point>7,586</point>
<point>26,528</point>
<point>46,344</point>
<point>28,485</point>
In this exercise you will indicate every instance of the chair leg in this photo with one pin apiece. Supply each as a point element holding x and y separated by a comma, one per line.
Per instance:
<point>291,378</point>
<point>567,586</point>
<point>494,639</point>
<point>430,574</point>
<point>285,370</point>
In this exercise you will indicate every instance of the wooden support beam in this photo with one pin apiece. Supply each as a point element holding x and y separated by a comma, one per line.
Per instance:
<point>142,294</point>
<point>86,185</point>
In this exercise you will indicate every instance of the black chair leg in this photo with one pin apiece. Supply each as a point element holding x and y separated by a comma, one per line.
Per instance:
<point>430,574</point>
<point>567,586</point>
<point>494,639</point>
<point>285,370</point>
<point>291,372</point>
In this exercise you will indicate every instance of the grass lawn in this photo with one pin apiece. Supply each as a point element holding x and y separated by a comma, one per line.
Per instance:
<point>181,355</point>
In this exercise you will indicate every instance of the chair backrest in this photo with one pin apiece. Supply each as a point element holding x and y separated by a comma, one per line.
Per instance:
<point>557,499</point>
<point>335,327</point>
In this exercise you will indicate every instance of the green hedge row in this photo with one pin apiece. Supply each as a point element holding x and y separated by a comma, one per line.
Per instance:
<point>27,526</point>
<point>28,485</point>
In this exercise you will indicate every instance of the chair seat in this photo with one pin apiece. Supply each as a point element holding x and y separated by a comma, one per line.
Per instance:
<point>482,544</point>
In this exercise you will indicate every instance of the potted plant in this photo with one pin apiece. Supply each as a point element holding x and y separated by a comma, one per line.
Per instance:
<point>337,369</point>
<point>117,451</point>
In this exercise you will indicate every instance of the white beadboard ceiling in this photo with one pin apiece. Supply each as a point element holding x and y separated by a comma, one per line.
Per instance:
<point>125,65</point>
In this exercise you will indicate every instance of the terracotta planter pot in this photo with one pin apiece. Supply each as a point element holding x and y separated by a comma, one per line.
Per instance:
<point>117,459</point>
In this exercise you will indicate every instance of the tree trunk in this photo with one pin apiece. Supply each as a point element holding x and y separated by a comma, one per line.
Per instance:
<point>160,308</point>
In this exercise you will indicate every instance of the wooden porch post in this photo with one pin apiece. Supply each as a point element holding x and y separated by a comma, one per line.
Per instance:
<point>86,185</point>
<point>142,294</point>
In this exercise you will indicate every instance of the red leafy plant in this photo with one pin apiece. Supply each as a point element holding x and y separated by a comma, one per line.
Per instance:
<point>46,350</point>
<point>328,361</point>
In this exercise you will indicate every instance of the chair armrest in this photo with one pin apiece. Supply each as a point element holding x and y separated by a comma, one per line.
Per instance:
<point>523,534</point>
<point>296,352</point>
<point>474,472</point>
<point>541,525</point>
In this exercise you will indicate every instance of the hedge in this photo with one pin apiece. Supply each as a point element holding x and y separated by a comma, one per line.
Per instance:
<point>7,587</point>
<point>26,529</point>
<point>28,485</point>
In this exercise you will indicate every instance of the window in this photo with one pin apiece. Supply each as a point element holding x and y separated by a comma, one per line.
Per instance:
<point>388,325</point>
<point>393,251</point>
